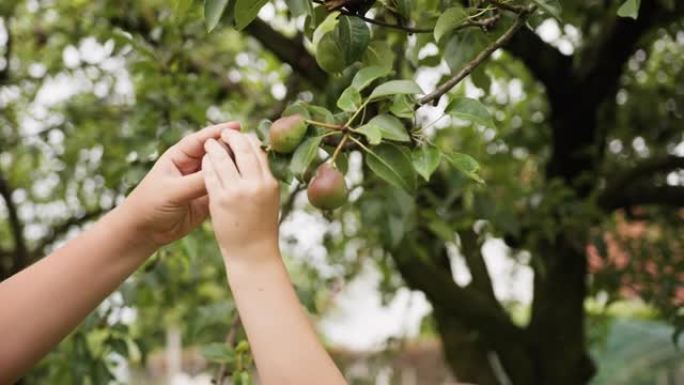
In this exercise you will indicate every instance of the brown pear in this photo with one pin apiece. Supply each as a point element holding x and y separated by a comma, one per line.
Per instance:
<point>327,189</point>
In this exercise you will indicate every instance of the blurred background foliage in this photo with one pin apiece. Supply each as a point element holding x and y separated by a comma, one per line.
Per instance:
<point>583,177</point>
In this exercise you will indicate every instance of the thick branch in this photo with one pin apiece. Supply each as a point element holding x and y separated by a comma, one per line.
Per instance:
<point>617,185</point>
<point>20,252</point>
<point>471,249</point>
<point>4,73</point>
<point>469,67</point>
<point>544,61</point>
<point>602,67</point>
<point>290,51</point>
<point>672,196</point>
<point>472,306</point>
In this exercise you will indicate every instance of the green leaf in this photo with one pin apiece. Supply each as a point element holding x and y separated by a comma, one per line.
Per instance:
<point>262,130</point>
<point>280,166</point>
<point>630,8</point>
<point>218,352</point>
<point>328,54</point>
<point>450,20</point>
<point>119,346</point>
<point>300,7</point>
<point>246,11</point>
<point>465,164</point>
<point>297,107</point>
<point>404,7</point>
<point>403,106</point>
<point>327,25</point>
<point>379,54</point>
<point>213,10</point>
<point>396,87</point>
<point>393,165</point>
<point>463,47</point>
<point>551,7</point>
<point>480,79</point>
<point>471,110</point>
<point>353,36</point>
<point>304,154</point>
<point>390,127</point>
<point>371,132</point>
<point>426,160</point>
<point>320,114</point>
<point>350,100</point>
<point>243,378</point>
<point>181,7</point>
<point>367,75</point>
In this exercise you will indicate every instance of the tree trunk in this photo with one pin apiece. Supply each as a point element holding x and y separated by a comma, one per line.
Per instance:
<point>556,329</point>
<point>464,351</point>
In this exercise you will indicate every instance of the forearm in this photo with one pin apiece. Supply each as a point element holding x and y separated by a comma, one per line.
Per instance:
<point>285,346</point>
<point>44,303</point>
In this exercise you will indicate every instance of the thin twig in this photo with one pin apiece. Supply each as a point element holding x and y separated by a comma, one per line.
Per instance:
<point>519,9</point>
<point>380,22</point>
<point>325,125</point>
<point>289,204</point>
<point>469,67</point>
<point>339,148</point>
<point>231,337</point>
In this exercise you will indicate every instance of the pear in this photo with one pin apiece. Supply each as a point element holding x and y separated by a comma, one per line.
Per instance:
<point>287,133</point>
<point>327,189</point>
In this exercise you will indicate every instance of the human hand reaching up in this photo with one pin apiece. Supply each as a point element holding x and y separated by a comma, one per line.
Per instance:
<point>243,201</point>
<point>243,197</point>
<point>171,200</point>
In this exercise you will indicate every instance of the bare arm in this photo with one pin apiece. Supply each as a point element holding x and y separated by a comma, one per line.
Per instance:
<point>45,302</point>
<point>243,201</point>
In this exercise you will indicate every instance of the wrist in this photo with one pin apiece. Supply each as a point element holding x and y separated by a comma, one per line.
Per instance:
<point>251,256</point>
<point>121,221</point>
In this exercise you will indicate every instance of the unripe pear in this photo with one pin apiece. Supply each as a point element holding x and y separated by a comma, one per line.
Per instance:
<point>327,190</point>
<point>287,133</point>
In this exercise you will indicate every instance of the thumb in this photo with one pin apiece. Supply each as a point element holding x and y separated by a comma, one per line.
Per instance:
<point>189,187</point>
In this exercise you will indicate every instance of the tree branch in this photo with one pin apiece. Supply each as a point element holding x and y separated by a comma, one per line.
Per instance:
<point>469,67</point>
<point>287,207</point>
<point>20,252</point>
<point>471,249</point>
<point>223,371</point>
<point>645,195</point>
<point>290,51</point>
<point>5,72</point>
<point>616,186</point>
<point>604,61</point>
<point>508,6</point>
<point>544,61</point>
<point>471,306</point>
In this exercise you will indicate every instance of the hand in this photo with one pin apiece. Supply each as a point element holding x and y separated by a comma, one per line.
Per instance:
<point>171,200</point>
<point>243,197</point>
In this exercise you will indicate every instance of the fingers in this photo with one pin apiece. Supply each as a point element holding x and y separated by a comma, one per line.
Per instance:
<point>187,154</point>
<point>211,178</point>
<point>189,187</point>
<point>221,163</point>
<point>245,156</point>
<point>261,156</point>
<point>199,210</point>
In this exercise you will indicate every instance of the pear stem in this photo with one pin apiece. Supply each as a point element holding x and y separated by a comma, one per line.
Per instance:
<point>339,148</point>
<point>336,127</point>
<point>362,108</point>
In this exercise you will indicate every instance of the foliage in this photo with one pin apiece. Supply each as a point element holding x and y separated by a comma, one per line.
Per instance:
<point>446,142</point>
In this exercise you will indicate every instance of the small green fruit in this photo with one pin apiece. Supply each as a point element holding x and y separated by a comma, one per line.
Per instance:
<point>327,190</point>
<point>287,133</point>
